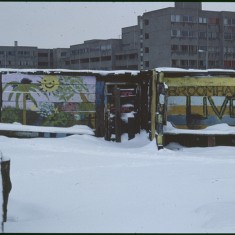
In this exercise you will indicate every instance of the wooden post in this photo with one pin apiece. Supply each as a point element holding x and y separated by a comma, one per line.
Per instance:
<point>144,106</point>
<point>131,128</point>
<point>161,106</point>
<point>100,109</point>
<point>107,135</point>
<point>153,105</point>
<point>117,114</point>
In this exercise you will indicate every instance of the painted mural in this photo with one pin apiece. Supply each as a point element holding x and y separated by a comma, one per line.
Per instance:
<point>48,100</point>
<point>195,112</point>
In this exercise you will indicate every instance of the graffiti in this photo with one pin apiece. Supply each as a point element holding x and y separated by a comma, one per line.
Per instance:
<point>218,110</point>
<point>202,91</point>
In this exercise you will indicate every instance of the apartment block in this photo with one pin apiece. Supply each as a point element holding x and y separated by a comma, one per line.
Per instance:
<point>185,36</point>
<point>94,54</point>
<point>18,56</point>
<point>127,57</point>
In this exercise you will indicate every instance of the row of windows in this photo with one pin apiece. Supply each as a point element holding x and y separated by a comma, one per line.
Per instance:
<point>229,49</point>
<point>201,35</point>
<point>229,64</point>
<point>21,63</point>
<point>94,59</point>
<point>209,35</point>
<point>195,63</point>
<point>13,53</point>
<point>124,57</point>
<point>193,48</point>
<point>193,34</point>
<point>182,33</point>
<point>229,36</point>
<point>229,21</point>
<point>92,49</point>
<point>194,19</point>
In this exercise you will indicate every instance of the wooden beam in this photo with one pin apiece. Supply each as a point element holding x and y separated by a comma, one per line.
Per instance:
<point>153,105</point>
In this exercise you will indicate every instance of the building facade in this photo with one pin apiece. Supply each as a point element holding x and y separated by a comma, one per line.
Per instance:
<point>93,55</point>
<point>18,56</point>
<point>185,36</point>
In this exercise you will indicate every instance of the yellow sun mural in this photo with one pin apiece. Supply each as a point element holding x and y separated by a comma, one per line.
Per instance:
<point>50,83</point>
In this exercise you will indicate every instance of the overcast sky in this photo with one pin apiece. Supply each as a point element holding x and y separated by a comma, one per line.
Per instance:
<point>61,24</point>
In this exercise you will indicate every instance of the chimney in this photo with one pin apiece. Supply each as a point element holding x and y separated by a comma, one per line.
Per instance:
<point>16,43</point>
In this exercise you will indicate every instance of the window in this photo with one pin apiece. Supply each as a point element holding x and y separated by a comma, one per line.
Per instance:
<point>192,48</point>
<point>184,48</point>
<point>63,54</point>
<point>133,56</point>
<point>146,63</point>
<point>174,63</point>
<point>213,35</point>
<point>86,60</point>
<point>187,18</point>
<point>202,35</point>
<point>227,36</point>
<point>95,59</point>
<point>192,63</point>
<point>202,48</point>
<point>184,63</point>
<point>229,50</point>
<point>146,22</point>
<point>227,63</point>
<point>105,58</point>
<point>213,49</point>
<point>40,54</point>
<point>184,33</point>
<point>175,18</point>
<point>213,21</point>
<point>202,20</point>
<point>227,21</point>
<point>146,49</point>
<point>146,36</point>
<point>191,34</point>
<point>175,33</point>
<point>174,47</point>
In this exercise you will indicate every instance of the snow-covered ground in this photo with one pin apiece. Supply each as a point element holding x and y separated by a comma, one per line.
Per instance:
<point>84,184</point>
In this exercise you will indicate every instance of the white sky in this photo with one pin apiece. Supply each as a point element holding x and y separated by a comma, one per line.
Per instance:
<point>61,24</point>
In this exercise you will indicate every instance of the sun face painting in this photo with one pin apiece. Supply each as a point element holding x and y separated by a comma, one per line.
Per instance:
<point>50,83</point>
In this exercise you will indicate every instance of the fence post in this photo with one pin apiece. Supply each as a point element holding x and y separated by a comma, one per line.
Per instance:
<point>6,186</point>
<point>153,105</point>
<point>117,114</point>
<point>161,110</point>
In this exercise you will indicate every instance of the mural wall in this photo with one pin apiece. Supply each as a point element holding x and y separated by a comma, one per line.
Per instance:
<point>48,100</point>
<point>202,106</point>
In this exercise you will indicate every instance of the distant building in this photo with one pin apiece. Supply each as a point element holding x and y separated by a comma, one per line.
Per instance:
<point>185,36</point>
<point>94,54</point>
<point>45,58</point>
<point>127,57</point>
<point>18,56</point>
